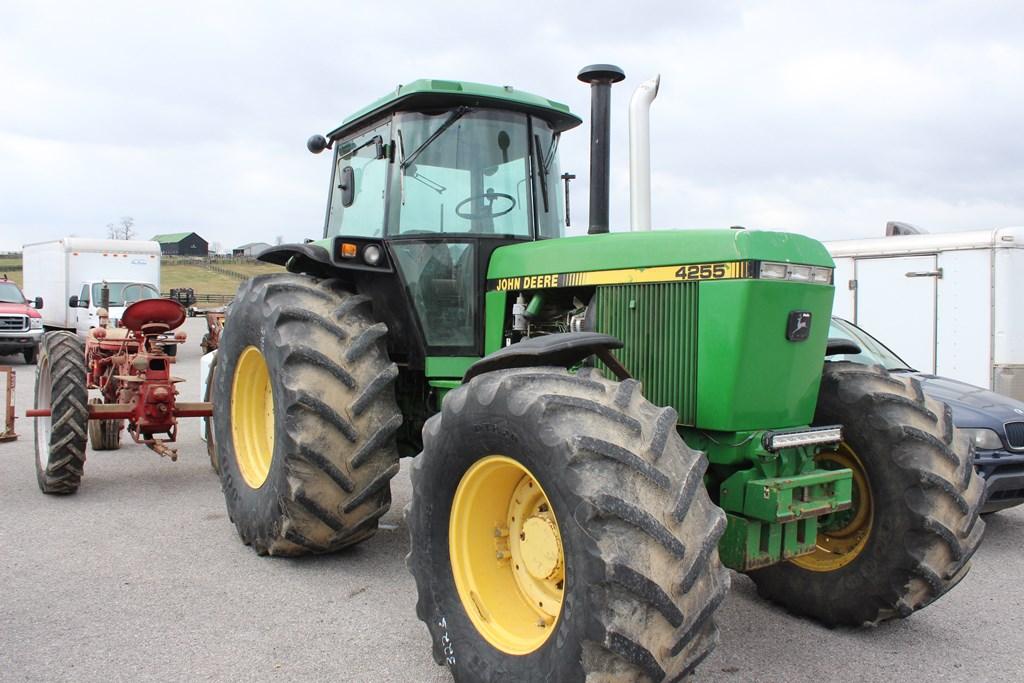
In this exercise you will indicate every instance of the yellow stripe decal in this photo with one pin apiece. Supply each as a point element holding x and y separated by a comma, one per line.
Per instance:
<point>690,272</point>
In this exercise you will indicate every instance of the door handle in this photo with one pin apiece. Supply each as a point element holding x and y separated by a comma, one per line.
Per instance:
<point>926,273</point>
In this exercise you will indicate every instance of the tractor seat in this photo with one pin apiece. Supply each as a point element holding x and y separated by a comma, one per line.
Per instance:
<point>153,316</point>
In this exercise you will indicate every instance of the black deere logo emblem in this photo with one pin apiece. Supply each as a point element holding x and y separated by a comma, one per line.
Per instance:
<point>798,327</point>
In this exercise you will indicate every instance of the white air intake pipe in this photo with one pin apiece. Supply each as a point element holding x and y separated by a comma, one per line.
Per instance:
<point>640,154</point>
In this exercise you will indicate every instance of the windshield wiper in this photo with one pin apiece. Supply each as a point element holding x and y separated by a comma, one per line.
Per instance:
<point>542,169</point>
<point>452,118</point>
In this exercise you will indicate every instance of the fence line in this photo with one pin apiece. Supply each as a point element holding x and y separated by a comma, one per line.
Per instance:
<point>208,298</point>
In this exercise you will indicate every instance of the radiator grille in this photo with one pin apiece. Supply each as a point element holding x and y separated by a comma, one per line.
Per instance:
<point>658,324</point>
<point>15,323</point>
<point>1015,434</point>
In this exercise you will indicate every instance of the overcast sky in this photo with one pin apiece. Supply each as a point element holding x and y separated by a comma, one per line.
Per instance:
<point>825,118</point>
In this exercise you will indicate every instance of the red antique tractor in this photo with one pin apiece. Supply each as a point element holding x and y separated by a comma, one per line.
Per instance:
<point>130,367</point>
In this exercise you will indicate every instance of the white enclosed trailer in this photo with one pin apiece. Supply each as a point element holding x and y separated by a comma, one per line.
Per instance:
<point>950,304</point>
<point>78,267</point>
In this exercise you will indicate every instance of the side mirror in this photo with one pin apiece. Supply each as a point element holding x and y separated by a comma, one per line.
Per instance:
<point>73,301</point>
<point>38,303</point>
<point>347,185</point>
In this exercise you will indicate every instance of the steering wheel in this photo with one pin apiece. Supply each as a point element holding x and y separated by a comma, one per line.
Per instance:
<point>490,195</point>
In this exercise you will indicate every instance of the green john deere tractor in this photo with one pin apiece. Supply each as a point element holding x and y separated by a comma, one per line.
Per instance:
<point>599,422</point>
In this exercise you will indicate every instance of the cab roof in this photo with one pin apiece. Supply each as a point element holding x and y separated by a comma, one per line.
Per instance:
<point>427,93</point>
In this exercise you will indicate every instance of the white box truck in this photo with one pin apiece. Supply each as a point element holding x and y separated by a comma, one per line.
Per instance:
<point>951,304</point>
<point>70,274</point>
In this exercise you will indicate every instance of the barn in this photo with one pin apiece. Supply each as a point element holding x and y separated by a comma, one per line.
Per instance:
<point>182,244</point>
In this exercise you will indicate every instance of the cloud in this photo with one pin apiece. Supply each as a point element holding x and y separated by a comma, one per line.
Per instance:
<point>825,118</point>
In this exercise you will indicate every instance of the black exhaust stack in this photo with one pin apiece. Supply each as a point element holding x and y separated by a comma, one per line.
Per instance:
<point>600,77</point>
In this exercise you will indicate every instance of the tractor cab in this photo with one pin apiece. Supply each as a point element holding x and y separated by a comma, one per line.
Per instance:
<point>425,184</point>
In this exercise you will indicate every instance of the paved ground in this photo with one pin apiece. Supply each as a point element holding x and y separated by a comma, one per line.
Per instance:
<point>140,576</point>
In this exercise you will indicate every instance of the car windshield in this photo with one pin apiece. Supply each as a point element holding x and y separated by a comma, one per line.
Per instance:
<point>873,352</point>
<point>10,294</point>
<point>124,293</point>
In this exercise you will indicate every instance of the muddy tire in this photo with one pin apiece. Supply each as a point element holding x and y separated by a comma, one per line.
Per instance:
<point>104,435</point>
<point>60,439</point>
<point>924,494</point>
<point>306,416</point>
<point>638,534</point>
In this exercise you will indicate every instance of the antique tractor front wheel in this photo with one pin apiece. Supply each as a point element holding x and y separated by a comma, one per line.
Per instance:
<point>305,416</point>
<point>104,435</point>
<point>560,525</point>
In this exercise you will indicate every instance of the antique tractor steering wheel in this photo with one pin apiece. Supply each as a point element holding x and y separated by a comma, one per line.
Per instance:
<point>486,212</point>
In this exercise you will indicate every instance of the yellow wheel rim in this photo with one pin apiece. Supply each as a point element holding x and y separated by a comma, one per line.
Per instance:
<point>506,555</point>
<point>842,536</point>
<point>252,417</point>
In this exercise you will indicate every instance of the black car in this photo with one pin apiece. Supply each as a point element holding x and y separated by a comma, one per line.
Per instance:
<point>993,422</point>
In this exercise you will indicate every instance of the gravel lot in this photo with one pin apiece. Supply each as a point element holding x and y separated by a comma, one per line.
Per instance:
<point>141,577</point>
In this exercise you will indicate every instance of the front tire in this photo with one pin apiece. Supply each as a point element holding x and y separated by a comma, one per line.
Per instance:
<point>211,439</point>
<point>30,354</point>
<point>914,525</point>
<point>60,438</point>
<point>561,531</point>
<point>306,416</point>
<point>104,435</point>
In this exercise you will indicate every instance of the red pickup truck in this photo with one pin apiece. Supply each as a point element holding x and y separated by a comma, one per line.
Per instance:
<point>21,326</point>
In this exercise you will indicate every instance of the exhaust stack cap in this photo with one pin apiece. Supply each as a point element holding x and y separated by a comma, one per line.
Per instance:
<point>601,73</point>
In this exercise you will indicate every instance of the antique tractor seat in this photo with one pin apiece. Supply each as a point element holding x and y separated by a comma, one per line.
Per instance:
<point>153,316</point>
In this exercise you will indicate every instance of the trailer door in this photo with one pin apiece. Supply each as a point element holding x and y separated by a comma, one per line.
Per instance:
<point>896,303</point>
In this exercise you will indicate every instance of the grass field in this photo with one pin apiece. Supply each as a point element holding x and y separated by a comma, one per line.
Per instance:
<point>13,275</point>
<point>179,274</point>
<point>205,281</point>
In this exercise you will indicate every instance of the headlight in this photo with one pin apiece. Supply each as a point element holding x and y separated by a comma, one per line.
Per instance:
<point>771,270</point>
<point>371,254</point>
<point>35,323</point>
<point>983,439</point>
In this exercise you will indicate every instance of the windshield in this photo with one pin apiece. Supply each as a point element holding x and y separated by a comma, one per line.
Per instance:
<point>462,171</point>
<point>10,294</point>
<point>124,293</point>
<point>873,352</point>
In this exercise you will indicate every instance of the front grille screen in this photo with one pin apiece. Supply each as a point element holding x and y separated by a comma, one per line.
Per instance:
<point>658,324</point>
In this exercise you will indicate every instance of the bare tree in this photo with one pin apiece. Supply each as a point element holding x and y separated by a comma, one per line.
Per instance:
<point>279,239</point>
<point>122,230</point>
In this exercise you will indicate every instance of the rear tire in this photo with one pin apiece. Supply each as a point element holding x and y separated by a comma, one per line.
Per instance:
<point>60,438</point>
<point>638,533</point>
<point>306,430</point>
<point>104,435</point>
<point>924,499</point>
